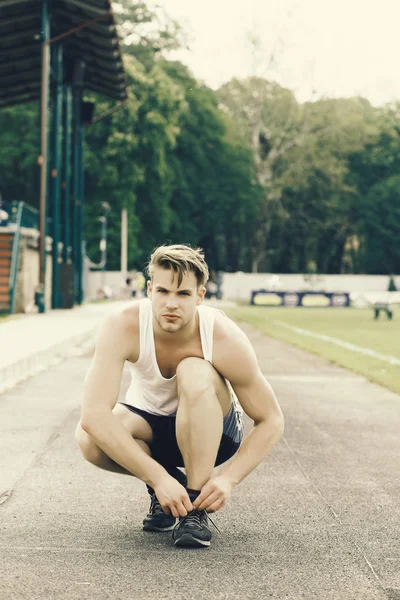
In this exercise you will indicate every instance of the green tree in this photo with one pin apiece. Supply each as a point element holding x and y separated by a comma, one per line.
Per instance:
<point>271,123</point>
<point>301,154</point>
<point>373,170</point>
<point>322,198</point>
<point>380,228</point>
<point>19,151</point>
<point>215,193</point>
<point>127,167</point>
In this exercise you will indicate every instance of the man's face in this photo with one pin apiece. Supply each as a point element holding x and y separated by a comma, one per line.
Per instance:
<point>174,307</point>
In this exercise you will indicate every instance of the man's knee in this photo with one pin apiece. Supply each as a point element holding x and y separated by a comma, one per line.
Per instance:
<point>90,451</point>
<point>195,376</point>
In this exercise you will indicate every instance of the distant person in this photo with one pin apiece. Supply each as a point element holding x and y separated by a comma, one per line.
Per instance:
<point>104,293</point>
<point>128,285</point>
<point>131,283</point>
<point>212,289</point>
<point>219,278</point>
<point>193,373</point>
<point>273,283</point>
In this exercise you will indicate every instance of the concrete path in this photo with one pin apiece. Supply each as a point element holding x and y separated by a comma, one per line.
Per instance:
<point>30,343</point>
<point>320,518</point>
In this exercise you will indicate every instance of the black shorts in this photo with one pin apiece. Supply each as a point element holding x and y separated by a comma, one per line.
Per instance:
<point>164,446</point>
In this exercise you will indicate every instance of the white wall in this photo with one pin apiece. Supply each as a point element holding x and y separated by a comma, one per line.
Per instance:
<point>95,280</point>
<point>238,286</point>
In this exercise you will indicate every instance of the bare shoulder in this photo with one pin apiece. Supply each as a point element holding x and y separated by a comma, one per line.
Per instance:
<point>227,331</point>
<point>233,354</point>
<point>120,331</point>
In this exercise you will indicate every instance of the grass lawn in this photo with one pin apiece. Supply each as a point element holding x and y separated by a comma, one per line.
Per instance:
<point>351,325</point>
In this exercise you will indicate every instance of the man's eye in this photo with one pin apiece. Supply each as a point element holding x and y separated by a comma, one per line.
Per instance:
<point>184,293</point>
<point>162,291</point>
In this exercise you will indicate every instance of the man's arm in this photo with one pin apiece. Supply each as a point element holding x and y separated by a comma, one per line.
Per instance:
<point>235,359</point>
<point>100,395</point>
<point>115,344</point>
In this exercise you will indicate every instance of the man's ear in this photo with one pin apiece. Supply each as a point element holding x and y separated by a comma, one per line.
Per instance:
<point>200,294</point>
<point>149,288</point>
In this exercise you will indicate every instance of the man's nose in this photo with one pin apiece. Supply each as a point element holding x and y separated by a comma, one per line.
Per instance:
<point>172,301</point>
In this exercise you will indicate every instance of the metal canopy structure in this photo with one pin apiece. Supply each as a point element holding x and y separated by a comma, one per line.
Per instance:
<point>53,51</point>
<point>21,40</point>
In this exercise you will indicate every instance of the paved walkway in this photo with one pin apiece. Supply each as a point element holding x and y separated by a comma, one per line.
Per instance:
<point>30,343</point>
<point>319,519</point>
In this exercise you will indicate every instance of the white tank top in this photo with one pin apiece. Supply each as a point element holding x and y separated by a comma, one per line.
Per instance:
<point>149,390</point>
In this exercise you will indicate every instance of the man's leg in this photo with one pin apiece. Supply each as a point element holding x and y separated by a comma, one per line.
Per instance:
<point>137,426</point>
<point>140,430</point>
<point>204,400</point>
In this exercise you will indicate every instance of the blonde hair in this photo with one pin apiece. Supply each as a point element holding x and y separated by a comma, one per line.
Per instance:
<point>181,259</point>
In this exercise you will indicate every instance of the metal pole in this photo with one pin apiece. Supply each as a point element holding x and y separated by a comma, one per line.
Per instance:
<point>124,243</point>
<point>66,186</point>
<point>55,174</point>
<point>76,185</point>
<point>45,34</point>
<point>103,246</point>
<point>46,41</point>
<point>103,242</point>
<point>105,239</point>
<point>80,227</point>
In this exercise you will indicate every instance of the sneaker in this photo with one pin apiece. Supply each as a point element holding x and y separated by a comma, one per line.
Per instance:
<point>156,519</point>
<point>192,530</point>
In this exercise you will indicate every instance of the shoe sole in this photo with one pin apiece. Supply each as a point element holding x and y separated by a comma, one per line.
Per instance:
<point>188,540</point>
<point>158,529</point>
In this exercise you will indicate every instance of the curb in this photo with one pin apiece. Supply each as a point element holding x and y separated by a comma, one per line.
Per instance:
<point>11,375</point>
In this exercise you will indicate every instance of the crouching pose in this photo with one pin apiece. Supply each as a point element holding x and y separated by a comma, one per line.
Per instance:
<point>193,373</point>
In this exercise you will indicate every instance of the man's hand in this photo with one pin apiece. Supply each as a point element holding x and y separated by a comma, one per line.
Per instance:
<point>173,497</point>
<point>214,494</point>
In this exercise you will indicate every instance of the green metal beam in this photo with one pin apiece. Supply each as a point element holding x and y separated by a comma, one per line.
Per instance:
<point>56,173</point>
<point>66,184</point>
<point>81,213</point>
<point>45,36</point>
<point>76,174</point>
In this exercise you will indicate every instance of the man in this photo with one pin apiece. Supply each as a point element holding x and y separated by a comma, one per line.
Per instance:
<point>193,370</point>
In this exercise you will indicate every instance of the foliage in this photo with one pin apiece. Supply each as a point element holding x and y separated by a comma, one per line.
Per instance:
<point>171,157</point>
<point>218,212</point>
<point>19,151</point>
<point>126,162</point>
<point>269,119</point>
<point>301,153</point>
<point>259,180</point>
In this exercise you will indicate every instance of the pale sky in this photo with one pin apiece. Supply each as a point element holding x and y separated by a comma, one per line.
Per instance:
<point>334,47</point>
